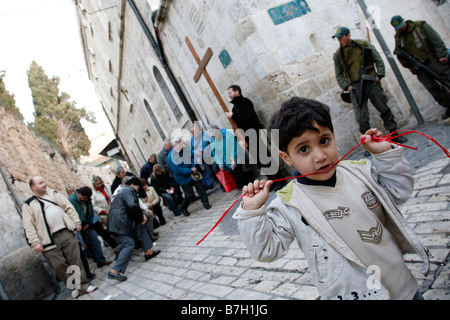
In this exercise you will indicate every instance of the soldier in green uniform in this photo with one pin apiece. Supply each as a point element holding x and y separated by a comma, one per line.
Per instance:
<point>347,63</point>
<point>420,40</point>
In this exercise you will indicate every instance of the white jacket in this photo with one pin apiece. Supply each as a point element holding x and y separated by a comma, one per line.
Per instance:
<point>99,202</point>
<point>337,271</point>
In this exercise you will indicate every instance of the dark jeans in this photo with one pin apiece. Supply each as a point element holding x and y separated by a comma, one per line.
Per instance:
<point>90,237</point>
<point>171,202</point>
<point>126,247</point>
<point>157,212</point>
<point>188,190</point>
<point>97,227</point>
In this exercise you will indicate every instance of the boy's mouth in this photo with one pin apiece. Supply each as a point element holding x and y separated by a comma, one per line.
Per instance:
<point>326,168</point>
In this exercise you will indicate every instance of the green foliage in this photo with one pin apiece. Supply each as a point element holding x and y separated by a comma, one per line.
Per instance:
<point>56,118</point>
<point>7,100</point>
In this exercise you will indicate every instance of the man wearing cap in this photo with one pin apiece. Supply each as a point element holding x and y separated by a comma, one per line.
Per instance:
<point>419,39</point>
<point>347,63</point>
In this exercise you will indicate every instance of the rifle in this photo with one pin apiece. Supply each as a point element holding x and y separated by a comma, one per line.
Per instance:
<point>417,64</point>
<point>363,76</point>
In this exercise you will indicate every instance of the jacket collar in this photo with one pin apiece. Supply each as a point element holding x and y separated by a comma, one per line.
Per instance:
<point>237,100</point>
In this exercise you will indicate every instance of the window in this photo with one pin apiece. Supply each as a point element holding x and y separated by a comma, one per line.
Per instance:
<point>139,148</point>
<point>110,37</point>
<point>154,120</point>
<point>166,92</point>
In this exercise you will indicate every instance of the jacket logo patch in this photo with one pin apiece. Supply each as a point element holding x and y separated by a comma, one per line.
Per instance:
<point>374,235</point>
<point>370,200</point>
<point>336,213</point>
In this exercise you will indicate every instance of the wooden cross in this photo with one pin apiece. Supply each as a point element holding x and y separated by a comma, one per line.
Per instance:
<point>202,70</point>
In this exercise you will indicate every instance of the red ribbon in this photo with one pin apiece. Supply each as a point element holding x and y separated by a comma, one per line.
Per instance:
<point>389,138</point>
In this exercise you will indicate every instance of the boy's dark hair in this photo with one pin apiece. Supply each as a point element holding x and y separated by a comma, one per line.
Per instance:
<point>85,191</point>
<point>298,115</point>
<point>135,181</point>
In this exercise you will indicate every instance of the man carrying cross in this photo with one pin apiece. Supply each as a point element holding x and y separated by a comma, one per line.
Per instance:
<point>244,114</point>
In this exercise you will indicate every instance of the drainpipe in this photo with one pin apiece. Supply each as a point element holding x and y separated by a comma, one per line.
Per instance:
<point>119,79</point>
<point>394,66</point>
<point>157,47</point>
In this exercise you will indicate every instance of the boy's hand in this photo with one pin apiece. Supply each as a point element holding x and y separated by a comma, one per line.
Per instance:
<point>256,194</point>
<point>375,147</point>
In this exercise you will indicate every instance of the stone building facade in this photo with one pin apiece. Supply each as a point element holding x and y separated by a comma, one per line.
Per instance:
<point>272,49</point>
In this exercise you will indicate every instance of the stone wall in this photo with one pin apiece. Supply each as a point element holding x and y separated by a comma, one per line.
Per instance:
<point>23,273</point>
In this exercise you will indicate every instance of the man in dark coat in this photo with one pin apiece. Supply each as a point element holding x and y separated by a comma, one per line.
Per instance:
<point>420,40</point>
<point>126,219</point>
<point>120,173</point>
<point>244,114</point>
<point>147,168</point>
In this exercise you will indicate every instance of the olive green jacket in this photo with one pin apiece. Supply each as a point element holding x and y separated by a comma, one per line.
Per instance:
<point>421,41</point>
<point>353,56</point>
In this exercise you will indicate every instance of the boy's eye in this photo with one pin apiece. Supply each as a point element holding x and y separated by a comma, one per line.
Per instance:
<point>303,149</point>
<point>324,140</point>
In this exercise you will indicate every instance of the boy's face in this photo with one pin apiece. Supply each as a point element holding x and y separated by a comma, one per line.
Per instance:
<point>313,152</point>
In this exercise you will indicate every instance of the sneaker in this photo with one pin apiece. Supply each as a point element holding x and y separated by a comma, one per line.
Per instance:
<point>75,293</point>
<point>207,206</point>
<point>112,275</point>
<point>91,288</point>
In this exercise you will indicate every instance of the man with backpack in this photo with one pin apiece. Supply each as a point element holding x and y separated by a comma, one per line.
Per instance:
<point>421,49</point>
<point>362,77</point>
<point>359,70</point>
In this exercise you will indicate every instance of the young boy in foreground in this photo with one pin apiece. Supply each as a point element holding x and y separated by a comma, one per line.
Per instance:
<point>345,217</point>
